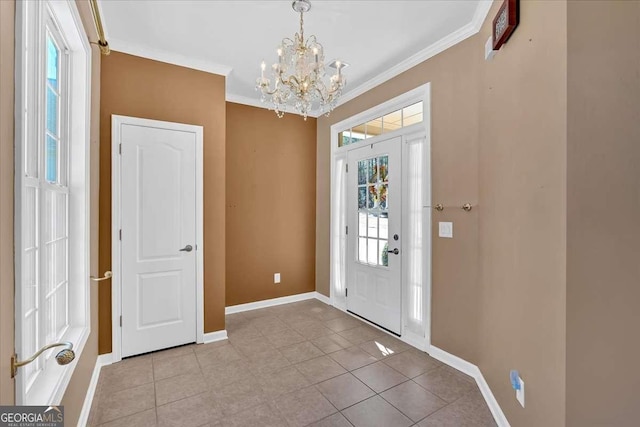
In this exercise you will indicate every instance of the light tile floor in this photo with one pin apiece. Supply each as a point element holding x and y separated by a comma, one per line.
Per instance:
<point>297,364</point>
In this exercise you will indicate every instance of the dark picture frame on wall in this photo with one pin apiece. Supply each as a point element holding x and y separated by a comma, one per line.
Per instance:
<point>505,22</point>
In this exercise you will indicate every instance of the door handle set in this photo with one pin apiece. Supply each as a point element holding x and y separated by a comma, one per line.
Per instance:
<point>107,276</point>
<point>187,248</point>
<point>394,251</point>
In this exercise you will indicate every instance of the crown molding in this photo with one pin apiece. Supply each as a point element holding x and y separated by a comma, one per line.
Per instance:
<point>439,46</point>
<point>168,57</point>
<point>430,51</point>
<point>255,102</point>
<point>481,14</point>
<point>144,51</point>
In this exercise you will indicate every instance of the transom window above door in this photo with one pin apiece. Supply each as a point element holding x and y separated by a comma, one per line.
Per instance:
<point>373,211</point>
<point>390,122</point>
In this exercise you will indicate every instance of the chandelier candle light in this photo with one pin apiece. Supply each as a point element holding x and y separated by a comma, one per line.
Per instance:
<point>299,74</point>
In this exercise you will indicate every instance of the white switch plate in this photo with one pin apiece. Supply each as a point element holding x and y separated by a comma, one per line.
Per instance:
<point>445,229</point>
<point>489,53</point>
<point>276,278</point>
<point>520,393</point>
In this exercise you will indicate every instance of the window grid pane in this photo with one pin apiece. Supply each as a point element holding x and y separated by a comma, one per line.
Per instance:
<point>44,287</point>
<point>390,122</point>
<point>52,150</point>
<point>373,218</point>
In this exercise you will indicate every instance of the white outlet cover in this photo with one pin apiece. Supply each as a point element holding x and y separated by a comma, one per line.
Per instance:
<point>445,229</point>
<point>276,278</point>
<point>520,393</point>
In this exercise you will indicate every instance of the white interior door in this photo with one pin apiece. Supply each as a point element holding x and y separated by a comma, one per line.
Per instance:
<point>158,243</point>
<point>374,211</point>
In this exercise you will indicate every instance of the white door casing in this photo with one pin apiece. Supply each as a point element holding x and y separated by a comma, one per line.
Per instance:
<point>416,156</point>
<point>374,211</point>
<point>160,202</point>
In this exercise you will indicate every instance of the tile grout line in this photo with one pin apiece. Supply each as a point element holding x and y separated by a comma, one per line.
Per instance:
<point>407,415</point>
<point>312,320</point>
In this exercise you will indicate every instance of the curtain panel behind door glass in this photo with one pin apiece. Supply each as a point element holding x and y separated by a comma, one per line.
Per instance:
<point>414,237</point>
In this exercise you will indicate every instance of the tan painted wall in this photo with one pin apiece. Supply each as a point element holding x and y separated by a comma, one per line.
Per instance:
<point>523,214</point>
<point>7,18</point>
<point>603,208</point>
<point>137,87</point>
<point>270,204</point>
<point>454,151</point>
<point>498,140</point>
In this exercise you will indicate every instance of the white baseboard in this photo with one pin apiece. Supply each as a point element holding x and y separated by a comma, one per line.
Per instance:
<point>210,337</point>
<point>449,359</point>
<point>414,340</point>
<point>473,371</point>
<point>269,303</point>
<point>102,360</point>
<point>454,361</point>
<point>323,298</point>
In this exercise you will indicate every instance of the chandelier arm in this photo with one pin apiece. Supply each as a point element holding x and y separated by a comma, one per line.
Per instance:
<point>281,80</point>
<point>266,90</point>
<point>321,95</point>
<point>293,79</point>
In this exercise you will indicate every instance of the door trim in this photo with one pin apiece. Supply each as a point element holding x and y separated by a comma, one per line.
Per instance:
<point>420,93</point>
<point>116,221</point>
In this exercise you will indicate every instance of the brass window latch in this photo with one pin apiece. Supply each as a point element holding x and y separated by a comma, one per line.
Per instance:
<point>64,356</point>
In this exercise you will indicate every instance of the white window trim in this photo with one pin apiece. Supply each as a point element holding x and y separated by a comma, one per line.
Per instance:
<point>52,383</point>
<point>421,93</point>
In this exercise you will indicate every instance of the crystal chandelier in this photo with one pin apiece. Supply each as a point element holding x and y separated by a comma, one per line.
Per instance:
<point>299,74</point>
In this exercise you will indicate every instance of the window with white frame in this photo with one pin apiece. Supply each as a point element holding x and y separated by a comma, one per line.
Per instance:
<point>408,116</point>
<point>52,96</point>
<point>389,122</point>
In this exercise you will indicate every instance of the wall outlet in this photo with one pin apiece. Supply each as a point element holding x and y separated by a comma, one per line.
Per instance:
<point>445,229</point>
<point>276,278</point>
<point>520,393</point>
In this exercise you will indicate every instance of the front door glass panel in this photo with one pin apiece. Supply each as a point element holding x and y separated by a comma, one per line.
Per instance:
<point>373,211</point>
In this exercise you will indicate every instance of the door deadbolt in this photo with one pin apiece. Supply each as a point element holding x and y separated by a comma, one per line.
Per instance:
<point>396,237</point>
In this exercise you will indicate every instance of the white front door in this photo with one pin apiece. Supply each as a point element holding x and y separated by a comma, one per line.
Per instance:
<point>374,212</point>
<point>158,249</point>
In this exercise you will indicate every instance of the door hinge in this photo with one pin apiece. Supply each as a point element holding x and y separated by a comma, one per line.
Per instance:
<point>120,234</point>
<point>347,229</point>
<point>346,292</point>
<point>347,167</point>
<point>120,148</point>
<point>121,321</point>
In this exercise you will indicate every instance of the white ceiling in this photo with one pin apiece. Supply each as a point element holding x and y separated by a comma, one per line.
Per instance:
<point>379,39</point>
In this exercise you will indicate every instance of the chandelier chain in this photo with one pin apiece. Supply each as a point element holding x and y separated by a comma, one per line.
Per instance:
<point>302,26</point>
